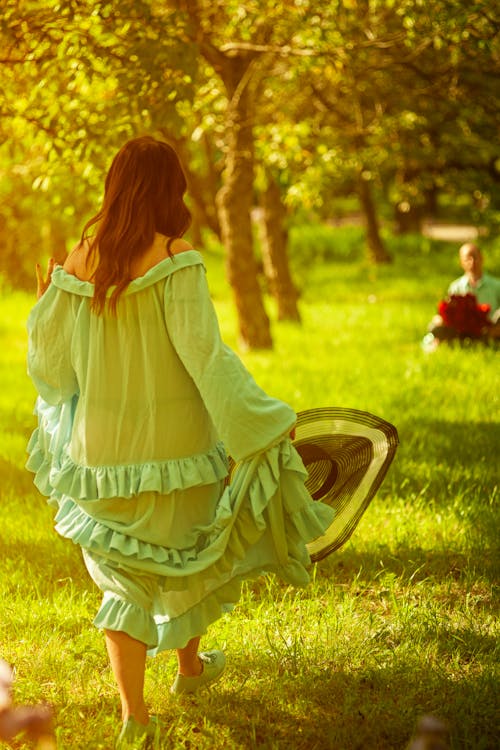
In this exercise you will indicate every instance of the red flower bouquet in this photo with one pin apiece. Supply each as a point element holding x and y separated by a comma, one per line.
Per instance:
<point>465,315</point>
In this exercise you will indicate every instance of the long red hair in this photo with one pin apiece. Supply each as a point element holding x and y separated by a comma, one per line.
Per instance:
<point>143,194</point>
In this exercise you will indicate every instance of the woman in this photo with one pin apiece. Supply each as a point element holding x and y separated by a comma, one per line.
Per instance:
<point>139,400</point>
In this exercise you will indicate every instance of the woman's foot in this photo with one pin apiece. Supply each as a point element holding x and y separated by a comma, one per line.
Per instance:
<point>213,663</point>
<point>135,735</point>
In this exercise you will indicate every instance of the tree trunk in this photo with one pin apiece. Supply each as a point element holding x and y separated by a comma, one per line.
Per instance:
<point>431,201</point>
<point>409,215</point>
<point>408,218</point>
<point>274,242</point>
<point>234,199</point>
<point>234,202</point>
<point>377,252</point>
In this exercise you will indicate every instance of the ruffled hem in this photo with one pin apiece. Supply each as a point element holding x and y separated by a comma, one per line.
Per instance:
<point>126,480</point>
<point>266,495</point>
<point>56,474</point>
<point>263,522</point>
<point>178,631</point>
<point>73,523</point>
<point>175,632</point>
<point>120,615</point>
<point>161,632</point>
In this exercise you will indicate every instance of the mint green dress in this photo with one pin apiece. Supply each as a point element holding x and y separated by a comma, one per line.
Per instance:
<point>136,416</point>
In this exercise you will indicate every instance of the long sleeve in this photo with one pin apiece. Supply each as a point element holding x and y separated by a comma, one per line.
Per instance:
<point>50,326</point>
<point>245,417</point>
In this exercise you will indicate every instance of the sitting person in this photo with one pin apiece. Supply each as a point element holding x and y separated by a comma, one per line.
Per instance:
<point>486,291</point>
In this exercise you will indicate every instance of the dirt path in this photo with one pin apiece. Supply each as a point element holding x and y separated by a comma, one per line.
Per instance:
<point>451,232</point>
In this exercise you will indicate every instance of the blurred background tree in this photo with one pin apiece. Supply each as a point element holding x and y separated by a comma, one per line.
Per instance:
<point>281,113</point>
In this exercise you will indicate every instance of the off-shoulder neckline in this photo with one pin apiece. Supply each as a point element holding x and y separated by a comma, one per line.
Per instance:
<point>62,279</point>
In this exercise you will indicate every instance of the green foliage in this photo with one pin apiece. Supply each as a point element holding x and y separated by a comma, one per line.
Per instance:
<point>402,96</point>
<point>399,92</point>
<point>320,243</point>
<point>400,622</point>
<point>78,79</point>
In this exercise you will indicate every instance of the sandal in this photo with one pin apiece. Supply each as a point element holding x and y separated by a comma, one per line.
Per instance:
<point>213,663</point>
<point>136,736</point>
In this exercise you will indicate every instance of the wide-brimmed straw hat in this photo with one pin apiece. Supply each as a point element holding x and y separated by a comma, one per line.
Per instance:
<point>347,454</point>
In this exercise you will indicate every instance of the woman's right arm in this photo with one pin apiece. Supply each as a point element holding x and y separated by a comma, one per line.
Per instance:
<point>50,331</point>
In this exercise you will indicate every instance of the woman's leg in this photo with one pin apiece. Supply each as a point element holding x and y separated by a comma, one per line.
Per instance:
<point>132,593</point>
<point>128,662</point>
<point>187,657</point>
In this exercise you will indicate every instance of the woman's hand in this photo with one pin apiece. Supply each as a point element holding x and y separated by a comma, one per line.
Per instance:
<point>292,434</point>
<point>42,284</point>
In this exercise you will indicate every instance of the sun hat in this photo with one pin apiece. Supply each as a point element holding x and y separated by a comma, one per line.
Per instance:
<point>347,454</point>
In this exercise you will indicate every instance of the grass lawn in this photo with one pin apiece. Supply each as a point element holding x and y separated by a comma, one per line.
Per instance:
<point>399,623</point>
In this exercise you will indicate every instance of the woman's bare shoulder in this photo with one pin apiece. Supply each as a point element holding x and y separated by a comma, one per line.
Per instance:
<point>180,246</point>
<point>69,263</point>
<point>76,262</point>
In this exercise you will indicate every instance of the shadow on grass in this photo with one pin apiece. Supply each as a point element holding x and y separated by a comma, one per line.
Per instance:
<point>408,565</point>
<point>257,705</point>
<point>319,710</point>
<point>451,443</point>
